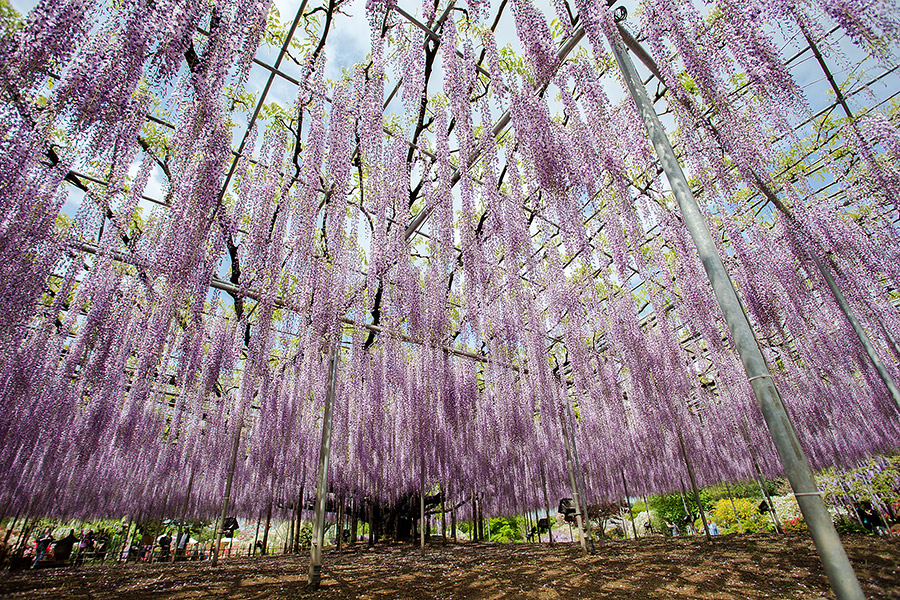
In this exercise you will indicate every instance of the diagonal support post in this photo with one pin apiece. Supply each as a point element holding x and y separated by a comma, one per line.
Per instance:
<point>796,466</point>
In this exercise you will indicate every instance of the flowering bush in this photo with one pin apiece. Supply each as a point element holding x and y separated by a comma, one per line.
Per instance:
<point>796,525</point>
<point>751,520</point>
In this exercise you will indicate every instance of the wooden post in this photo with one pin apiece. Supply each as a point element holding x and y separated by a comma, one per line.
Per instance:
<point>23,535</point>
<point>443,518</point>
<point>318,537</point>
<point>340,524</point>
<point>354,520</point>
<point>452,514</point>
<point>256,535</point>
<point>371,523</point>
<point>547,506</point>
<point>299,520</point>
<point>422,502</point>
<point>265,543</point>
<point>289,541</point>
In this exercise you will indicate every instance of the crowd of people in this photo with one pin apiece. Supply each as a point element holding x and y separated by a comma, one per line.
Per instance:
<point>867,516</point>
<point>48,550</point>
<point>690,527</point>
<point>45,550</point>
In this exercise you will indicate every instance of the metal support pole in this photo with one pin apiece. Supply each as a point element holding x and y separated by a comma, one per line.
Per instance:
<point>690,470</point>
<point>579,476</point>
<point>573,482</point>
<point>834,559</point>
<point>759,480</point>
<point>892,341</point>
<point>231,467</point>
<point>771,505</point>
<point>734,508</point>
<point>649,513</point>
<point>474,537</point>
<point>371,541</point>
<point>876,500</point>
<point>861,334</point>
<point>23,535</point>
<point>295,544</point>
<point>318,537</point>
<point>155,537</point>
<point>184,508</point>
<point>354,521</point>
<point>340,524</point>
<point>126,543</point>
<point>628,501</point>
<point>452,512</point>
<point>476,519</point>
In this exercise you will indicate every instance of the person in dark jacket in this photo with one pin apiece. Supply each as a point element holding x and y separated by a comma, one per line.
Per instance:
<point>870,518</point>
<point>43,544</point>
<point>63,548</point>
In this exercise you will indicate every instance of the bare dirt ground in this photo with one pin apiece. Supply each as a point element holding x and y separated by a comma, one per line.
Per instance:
<point>734,567</point>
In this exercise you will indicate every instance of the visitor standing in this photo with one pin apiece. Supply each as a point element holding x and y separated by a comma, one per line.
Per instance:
<point>165,545</point>
<point>85,546</point>
<point>43,544</point>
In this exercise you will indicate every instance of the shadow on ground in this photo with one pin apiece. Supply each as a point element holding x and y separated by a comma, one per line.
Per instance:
<point>734,567</point>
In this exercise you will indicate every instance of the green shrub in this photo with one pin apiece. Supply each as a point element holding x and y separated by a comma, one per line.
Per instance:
<point>669,507</point>
<point>505,529</point>
<point>845,525</point>
<point>742,489</point>
<point>306,535</point>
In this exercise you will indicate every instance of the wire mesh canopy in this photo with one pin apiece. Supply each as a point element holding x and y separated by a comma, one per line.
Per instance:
<point>200,208</point>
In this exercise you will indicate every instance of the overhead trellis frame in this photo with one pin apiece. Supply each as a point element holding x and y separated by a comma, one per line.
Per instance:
<point>554,260</point>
